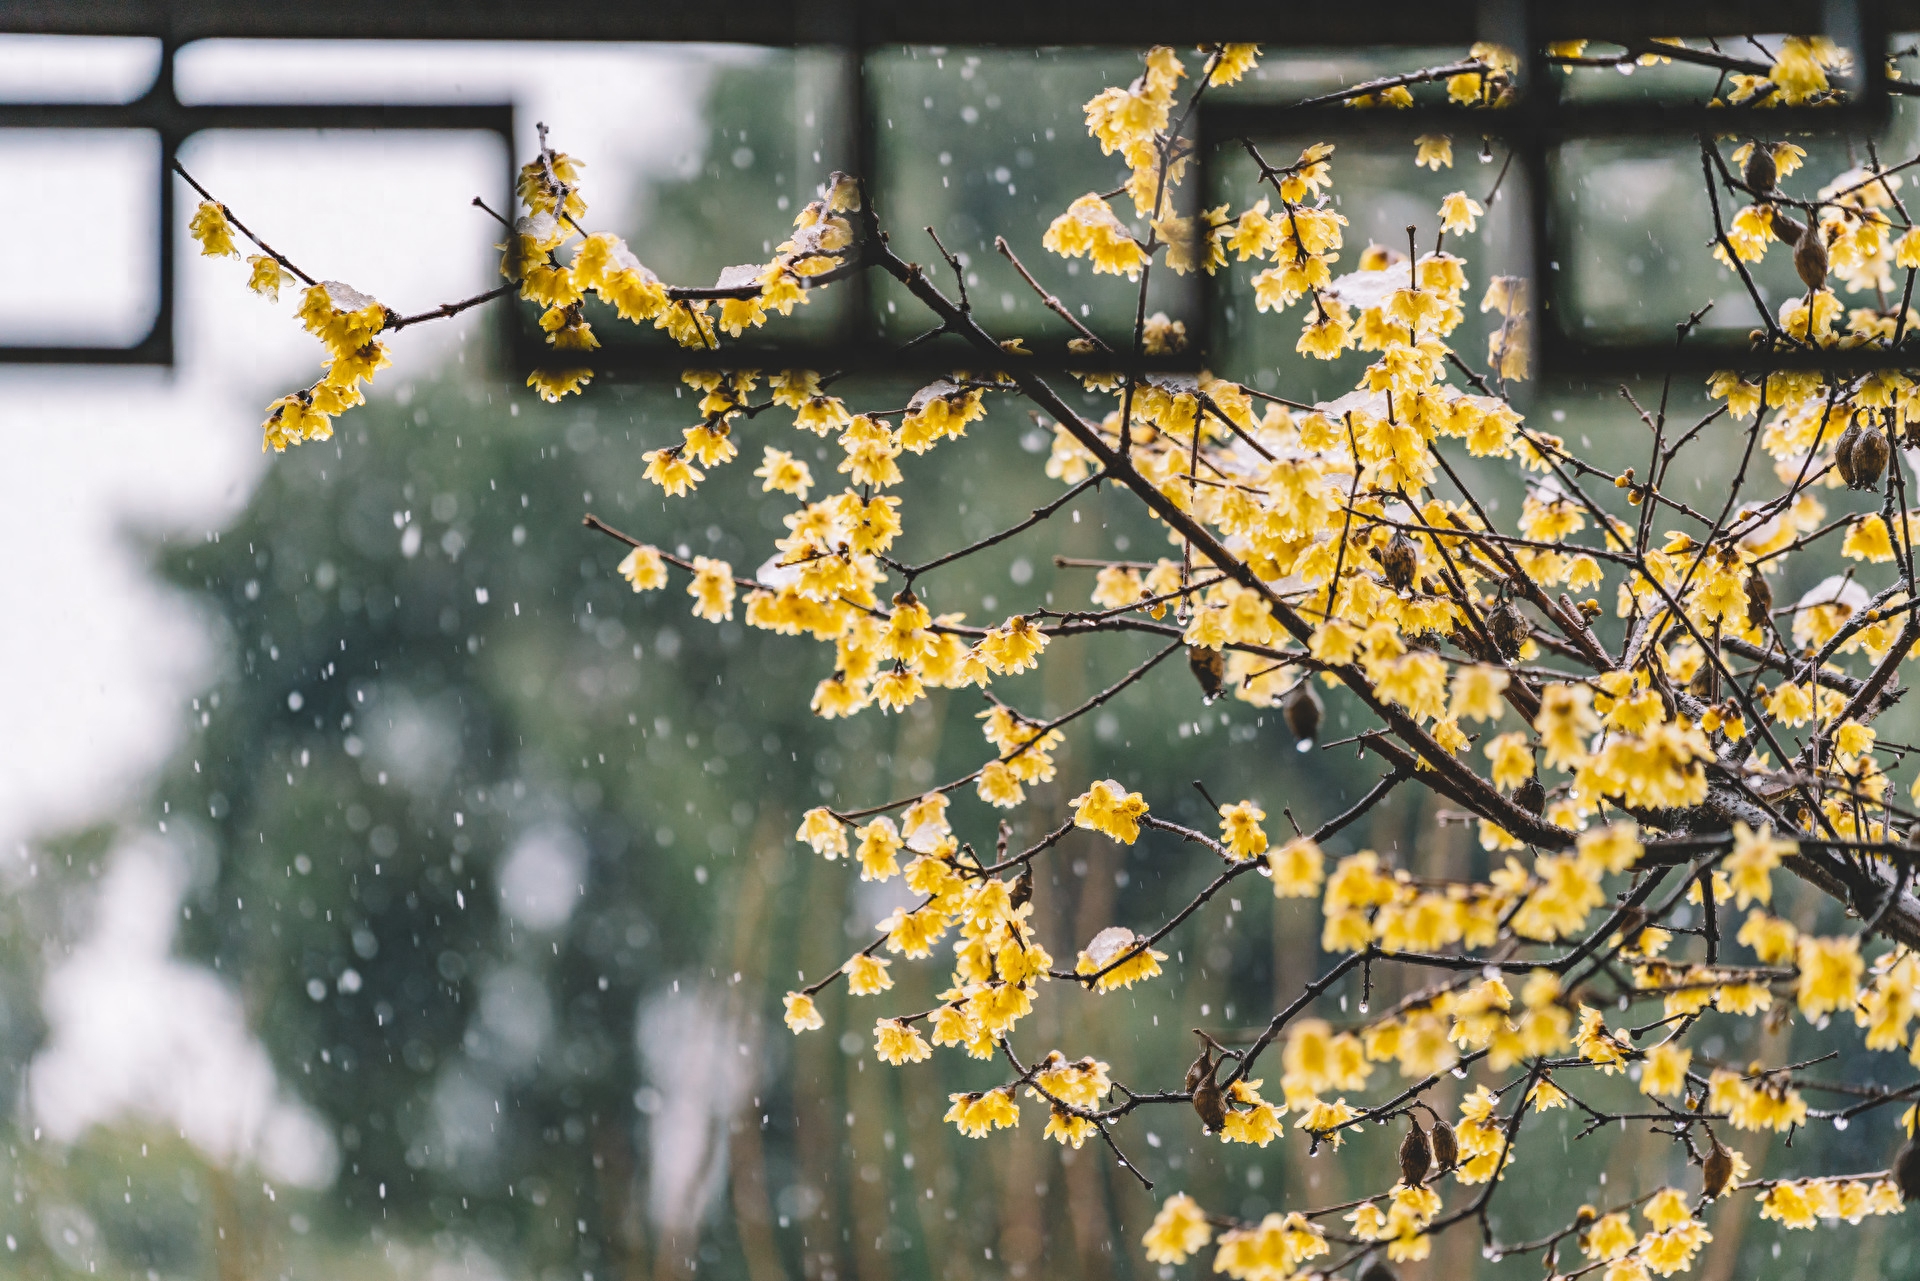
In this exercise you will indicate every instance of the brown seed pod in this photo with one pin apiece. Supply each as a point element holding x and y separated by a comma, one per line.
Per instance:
<point>1210,1103</point>
<point>1530,796</point>
<point>1705,684</point>
<point>1209,667</point>
<point>1399,560</point>
<point>1378,1271</point>
<point>1416,1155</point>
<point>1509,628</point>
<point>1446,1148</point>
<point>1810,257</point>
<point>1199,1070</point>
<point>1022,892</point>
<point>1906,1170</point>
<point>1759,600</point>
<point>1715,1171</point>
<point>1303,709</point>
<point>1786,229</point>
<point>1760,173</point>
<point>1870,454</point>
<point>1843,451</point>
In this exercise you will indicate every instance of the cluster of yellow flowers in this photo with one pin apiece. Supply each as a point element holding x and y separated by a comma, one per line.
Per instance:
<point>1311,551</point>
<point>340,316</point>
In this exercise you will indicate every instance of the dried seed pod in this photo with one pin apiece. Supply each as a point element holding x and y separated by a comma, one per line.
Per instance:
<point>1530,796</point>
<point>1446,1147</point>
<point>1705,684</point>
<point>1759,600</point>
<point>1210,1103</point>
<point>1786,228</point>
<point>1810,257</point>
<point>1715,1171</point>
<point>1869,458</point>
<point>1416,1155</point>
<point>1209,667</point>
<point>1760,173</point>
<point>1022,892</point>
<point>1509,628</point>
<point>1906,1170</point>
<point>1198,1071</point>
<point>1378,1271</point>
<point>1399,560</point>
<point>1303,709</point>
<point>1843,451</point>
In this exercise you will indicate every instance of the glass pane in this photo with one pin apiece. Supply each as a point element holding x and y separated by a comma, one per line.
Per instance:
<point>104,291</point>
<point>76,68</point>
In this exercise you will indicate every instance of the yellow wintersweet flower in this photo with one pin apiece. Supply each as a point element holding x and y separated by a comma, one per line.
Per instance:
<point>1240,829</point>
<point>214,233</point>
<point>1512,759</point>
<point>867,975</point>
<point>1433,151</point>
<point>1067,1128</point>
<point>644,569</point>
<point>784,473</point>
<point>1786,1203</point>
<point>1108,946</point>
<point>267,276</point>
<point>836,696</point>
<point>1749,868</point>
<point>1665,1071</point>
<point>1566,719</point>
<point>1596,1044</point>
<point>897,1042</point>
<point>1829,973</point>
<point>667,469</point>
<point>801,1015</point>
<point>1014,646</point>
<point>1297,868</point>
<point>1273,1248</point>
<point>1613,848</point>
<point>1610,1237</point>
<point>1790,705</point>
<point>712,589</point>
<point>1231,62</point>
<point>1108,807</point>
<point>897,689</point>
<point>1477,692</point>
<point>1868,540</point>
<point>825,833</point>
<point>1460,213</point>
<point>1179,1230</point>
<point>879,844</point>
